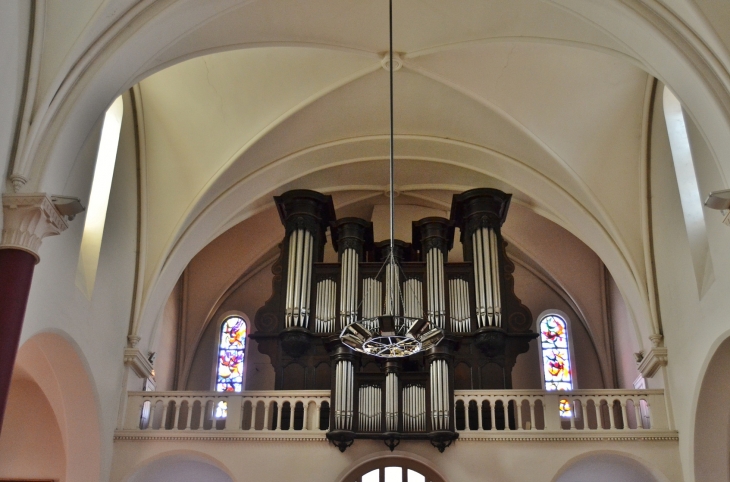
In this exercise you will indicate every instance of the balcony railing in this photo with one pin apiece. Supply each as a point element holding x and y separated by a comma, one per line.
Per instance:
<point>479,414</point>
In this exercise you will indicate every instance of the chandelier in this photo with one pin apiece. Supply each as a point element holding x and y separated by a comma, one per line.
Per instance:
<point>391,335</point>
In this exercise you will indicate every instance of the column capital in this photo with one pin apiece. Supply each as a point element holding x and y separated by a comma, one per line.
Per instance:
<point>27,219</point>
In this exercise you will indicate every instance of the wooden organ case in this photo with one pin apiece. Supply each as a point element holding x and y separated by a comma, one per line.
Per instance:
<point>486,325</point>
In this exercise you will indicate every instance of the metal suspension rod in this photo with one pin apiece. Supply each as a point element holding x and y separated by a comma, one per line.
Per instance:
<point>392,177</point>
<point>392,167</point>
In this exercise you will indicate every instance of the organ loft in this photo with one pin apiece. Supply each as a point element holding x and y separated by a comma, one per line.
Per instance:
<point>393,328</point>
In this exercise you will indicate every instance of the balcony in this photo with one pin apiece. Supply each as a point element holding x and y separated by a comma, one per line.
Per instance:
<point>507,415</point>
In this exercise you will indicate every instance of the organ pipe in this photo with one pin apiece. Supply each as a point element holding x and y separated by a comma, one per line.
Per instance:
<point>348,291</point>
<point>391,402</point>
<point>325,307</point>
<point>299,279</point>
<point>369,408</point>
<point>486,277</point>
<point>372,296</point>
<point>413,298</point>
<point>435,285</point>
<point>439,394</point>
<point>459,305</point>
<point>392,290</point>
<point>414,408</point>
<point>344,383</point>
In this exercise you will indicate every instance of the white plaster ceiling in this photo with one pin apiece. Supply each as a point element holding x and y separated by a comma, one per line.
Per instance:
<point>288,117</point>
<point>258,97</point>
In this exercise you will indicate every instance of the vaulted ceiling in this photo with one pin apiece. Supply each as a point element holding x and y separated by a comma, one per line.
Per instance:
<point>240,99</point>
<point>523,96</point>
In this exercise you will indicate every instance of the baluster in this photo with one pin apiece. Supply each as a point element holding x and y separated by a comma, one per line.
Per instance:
<point>599,414</point>
<point>163,418</point>
<point>480,427</point>
<point>624,414</point>
<point>637,409</point>
<point>611,415</point>
<point>188,415</point>
<point>532,414</point>
<point>572,404</point>
<point>267,405</point>
<point>518,414</point>
<point>279,412</point>
<point>505,409</point>
<point>492,418</point>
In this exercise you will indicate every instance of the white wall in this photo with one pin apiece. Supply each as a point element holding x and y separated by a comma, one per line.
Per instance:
<point>692,326</point>
<point>97,326</point>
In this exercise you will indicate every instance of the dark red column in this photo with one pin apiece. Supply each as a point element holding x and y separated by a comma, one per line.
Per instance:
<point>16,274</point>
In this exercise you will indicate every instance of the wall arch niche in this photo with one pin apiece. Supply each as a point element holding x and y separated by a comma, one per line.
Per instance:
<point>712,419</point>
<point>180,468</point>
<point>392,469</point>
<point>52,416</point>
<point>606,467</point>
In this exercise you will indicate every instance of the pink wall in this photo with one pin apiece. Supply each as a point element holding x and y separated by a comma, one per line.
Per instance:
<point>31,445</point>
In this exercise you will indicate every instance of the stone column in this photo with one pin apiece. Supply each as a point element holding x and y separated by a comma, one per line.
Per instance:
<point>27,219</point>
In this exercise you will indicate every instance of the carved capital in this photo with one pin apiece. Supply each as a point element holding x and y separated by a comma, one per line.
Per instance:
<point>27,219</point>
<point>140,365</point>
<point>652,361</point>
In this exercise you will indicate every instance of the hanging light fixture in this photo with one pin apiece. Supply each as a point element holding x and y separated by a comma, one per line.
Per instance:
<point>391,335</point>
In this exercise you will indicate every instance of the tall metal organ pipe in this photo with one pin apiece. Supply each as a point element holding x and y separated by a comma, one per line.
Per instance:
<point>306,216</point>
<point>434,237</point>
<point>439,379</point>
<point>344,394</point>
<point>351,238</point>
<point>299,279</point>
<point>391,398</point>
<point>480,214</point>
<point>486,277</point>
<point>348,287</point>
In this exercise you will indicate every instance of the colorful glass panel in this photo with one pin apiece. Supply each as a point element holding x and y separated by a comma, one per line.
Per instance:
<point>565,408</point>
<point>555,354</point>
<point>230,355</point>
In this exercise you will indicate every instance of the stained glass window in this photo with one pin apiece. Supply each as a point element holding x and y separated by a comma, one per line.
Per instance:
<point>557,369</point>
<point>231,350</point>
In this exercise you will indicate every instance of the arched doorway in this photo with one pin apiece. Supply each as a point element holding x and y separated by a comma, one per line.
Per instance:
<point>392,469</point>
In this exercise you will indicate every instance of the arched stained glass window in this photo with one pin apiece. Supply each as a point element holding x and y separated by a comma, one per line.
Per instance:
<point>556,363</point>
<point>231,350</point>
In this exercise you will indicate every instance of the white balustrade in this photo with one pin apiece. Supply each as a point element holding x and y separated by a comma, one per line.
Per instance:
<point>305,414</point>
<point>251,411</point>
<point>535,411</point>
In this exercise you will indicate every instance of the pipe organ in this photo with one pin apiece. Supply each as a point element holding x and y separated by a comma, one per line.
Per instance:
<point>473,301</point>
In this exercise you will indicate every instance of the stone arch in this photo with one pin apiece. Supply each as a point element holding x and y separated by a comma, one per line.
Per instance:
<point>607,466</point>
<point>712,418</point>
<point>180,465</point>
<point>51,367</point>
<point>386,459</point>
